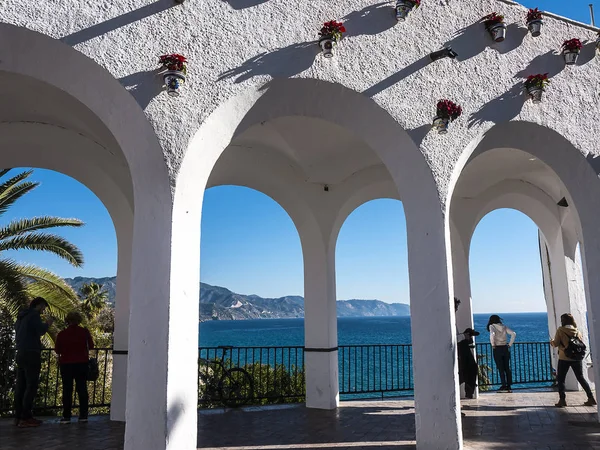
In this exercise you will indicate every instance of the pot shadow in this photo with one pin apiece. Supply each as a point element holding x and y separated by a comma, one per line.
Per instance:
<point>243,4</point>
<point>550,62</point>
<point>371,20</point>
<point>501,109</point>
<point>283,62</point>
<point>469,41</point>
<point>143,86</point>
<point>398,76</point>
<point>587,54</point>
<point>419,134</point>
<point>515,35</point>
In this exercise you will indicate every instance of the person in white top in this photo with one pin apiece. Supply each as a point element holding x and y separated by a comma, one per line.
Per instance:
<point>501,348</point>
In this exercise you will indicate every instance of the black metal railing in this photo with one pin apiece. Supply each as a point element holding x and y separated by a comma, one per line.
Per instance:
<point>49,396</point>
<point>277,375</point>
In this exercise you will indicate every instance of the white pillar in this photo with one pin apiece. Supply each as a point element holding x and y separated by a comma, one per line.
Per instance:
<point>162,373</point>
<point>462,291</point>
<point>320,324</point>
<point>121,331</point>
<point>435,369</point>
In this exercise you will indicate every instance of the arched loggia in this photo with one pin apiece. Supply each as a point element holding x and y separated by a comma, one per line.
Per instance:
<point>278,105</point>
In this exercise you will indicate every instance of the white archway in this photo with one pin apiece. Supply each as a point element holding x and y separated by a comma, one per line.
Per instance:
<point>413,181</point>
<point>64,112</point>
<point>560,171</point>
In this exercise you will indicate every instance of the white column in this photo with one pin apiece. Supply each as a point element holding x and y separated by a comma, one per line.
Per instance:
<point>435,369</point>
<point>462,291</point>
<point>121,332</point>
<point>162,374</point>
<point>320,324</point>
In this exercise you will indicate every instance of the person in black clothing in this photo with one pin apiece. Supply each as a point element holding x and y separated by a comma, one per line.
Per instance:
<point>467,365</point>
<point>29,329</point>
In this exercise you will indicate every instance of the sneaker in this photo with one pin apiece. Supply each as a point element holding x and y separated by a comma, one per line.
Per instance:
<point>561,403</point>
<point>509,390</point>
<point>502,388</point>
<point>590,402</point>
<point>64,421</point>
<point>29,423</point>
<point>83,420</point>
<point>16,422</point>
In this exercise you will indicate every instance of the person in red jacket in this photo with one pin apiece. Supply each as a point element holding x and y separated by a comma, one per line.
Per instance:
<point>72,346</point>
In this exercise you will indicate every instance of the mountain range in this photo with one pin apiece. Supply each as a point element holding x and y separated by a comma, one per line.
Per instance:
<point>219,303</point>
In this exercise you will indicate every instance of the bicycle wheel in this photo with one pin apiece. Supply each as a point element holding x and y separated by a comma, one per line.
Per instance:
<point>236,387</point>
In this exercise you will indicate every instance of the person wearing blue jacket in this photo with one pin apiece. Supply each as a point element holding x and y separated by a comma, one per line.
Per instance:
<point>29,329</point>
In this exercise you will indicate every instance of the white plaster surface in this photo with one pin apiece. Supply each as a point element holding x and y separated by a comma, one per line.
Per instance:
<point>241,56</point>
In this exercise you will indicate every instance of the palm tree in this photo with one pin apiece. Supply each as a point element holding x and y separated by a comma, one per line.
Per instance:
<point>93,299</point>
<point>21,282</point>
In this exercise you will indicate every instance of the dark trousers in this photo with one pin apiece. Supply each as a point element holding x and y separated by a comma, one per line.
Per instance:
<point>29,364</point>
<point>502,360</point>
<point>561,376</point>
<point>78,373</point>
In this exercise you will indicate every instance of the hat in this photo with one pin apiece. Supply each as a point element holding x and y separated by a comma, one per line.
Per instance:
<point>471,332</point>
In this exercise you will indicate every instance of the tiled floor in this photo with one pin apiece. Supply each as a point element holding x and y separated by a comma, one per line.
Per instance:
<point>522,420</point>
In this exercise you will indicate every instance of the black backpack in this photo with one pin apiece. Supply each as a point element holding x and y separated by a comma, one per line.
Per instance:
<point>576,349</point>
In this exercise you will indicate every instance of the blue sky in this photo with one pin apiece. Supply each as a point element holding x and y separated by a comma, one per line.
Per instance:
<point>250,245</point>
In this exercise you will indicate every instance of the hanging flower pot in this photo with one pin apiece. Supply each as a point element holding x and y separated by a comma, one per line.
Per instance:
<point>536,85</point>
<point>331,34</point>
<point>447,112</point>
<point>403,7</point>
<point>571,50</point>
<point>176,69</point>
<point>535,22</point>
<point>494,24</point>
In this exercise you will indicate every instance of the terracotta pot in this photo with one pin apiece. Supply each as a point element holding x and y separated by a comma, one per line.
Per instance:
<point>326,43</point>
<point>535,27</point>
<point>403,7</point>
<point>173,81</point>
<point>498,31</point>
<point>535,93</point>
<point>440,124</point>
<point>570,56</point>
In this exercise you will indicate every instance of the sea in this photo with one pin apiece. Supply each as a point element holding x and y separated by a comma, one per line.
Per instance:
<point>530,327</point>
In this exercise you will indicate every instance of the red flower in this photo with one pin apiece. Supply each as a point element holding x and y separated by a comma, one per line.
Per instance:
<point>174,61</point>
<point>333,28</point>
<point>539,80</point>
<point>492,19</point>
<point>572,45</point>
<point>534,14</point>
<point>448,110</point>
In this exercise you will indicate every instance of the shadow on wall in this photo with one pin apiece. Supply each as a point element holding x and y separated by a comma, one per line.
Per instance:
<point>370,20</point>
<point>398,76</point>
<point>550,62</point>
<point>515,35</point>
<point>501,109</point>
<point>588,53</point>
<point>470,41</point>
<point>418,134</point>
<point>144,86</point>
<point>284,62</point>
<point>173,416</point>
<point>243,4</point>
<point>117,22</point>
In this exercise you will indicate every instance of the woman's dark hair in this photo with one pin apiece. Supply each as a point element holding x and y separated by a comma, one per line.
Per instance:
<point>568,319</point>
<point>74,318</point>
<point>38,301</point>
<point>493,319</point>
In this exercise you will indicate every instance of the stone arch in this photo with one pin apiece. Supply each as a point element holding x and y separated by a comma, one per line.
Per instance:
<point>65,112</point>
<point>412,178</point>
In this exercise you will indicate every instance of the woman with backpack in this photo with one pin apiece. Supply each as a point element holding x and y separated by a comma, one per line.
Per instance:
<point>501,348</point>
<point>571,352</point>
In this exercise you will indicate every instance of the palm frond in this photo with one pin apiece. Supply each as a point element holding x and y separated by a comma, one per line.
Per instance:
<point>13,189</point>
<point>13,293</point>
<point>4,172</point>
<point>45,242</point>
<point>22,226</point>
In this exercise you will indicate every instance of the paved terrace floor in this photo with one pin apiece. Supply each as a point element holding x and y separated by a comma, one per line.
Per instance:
<point>522,420</point>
